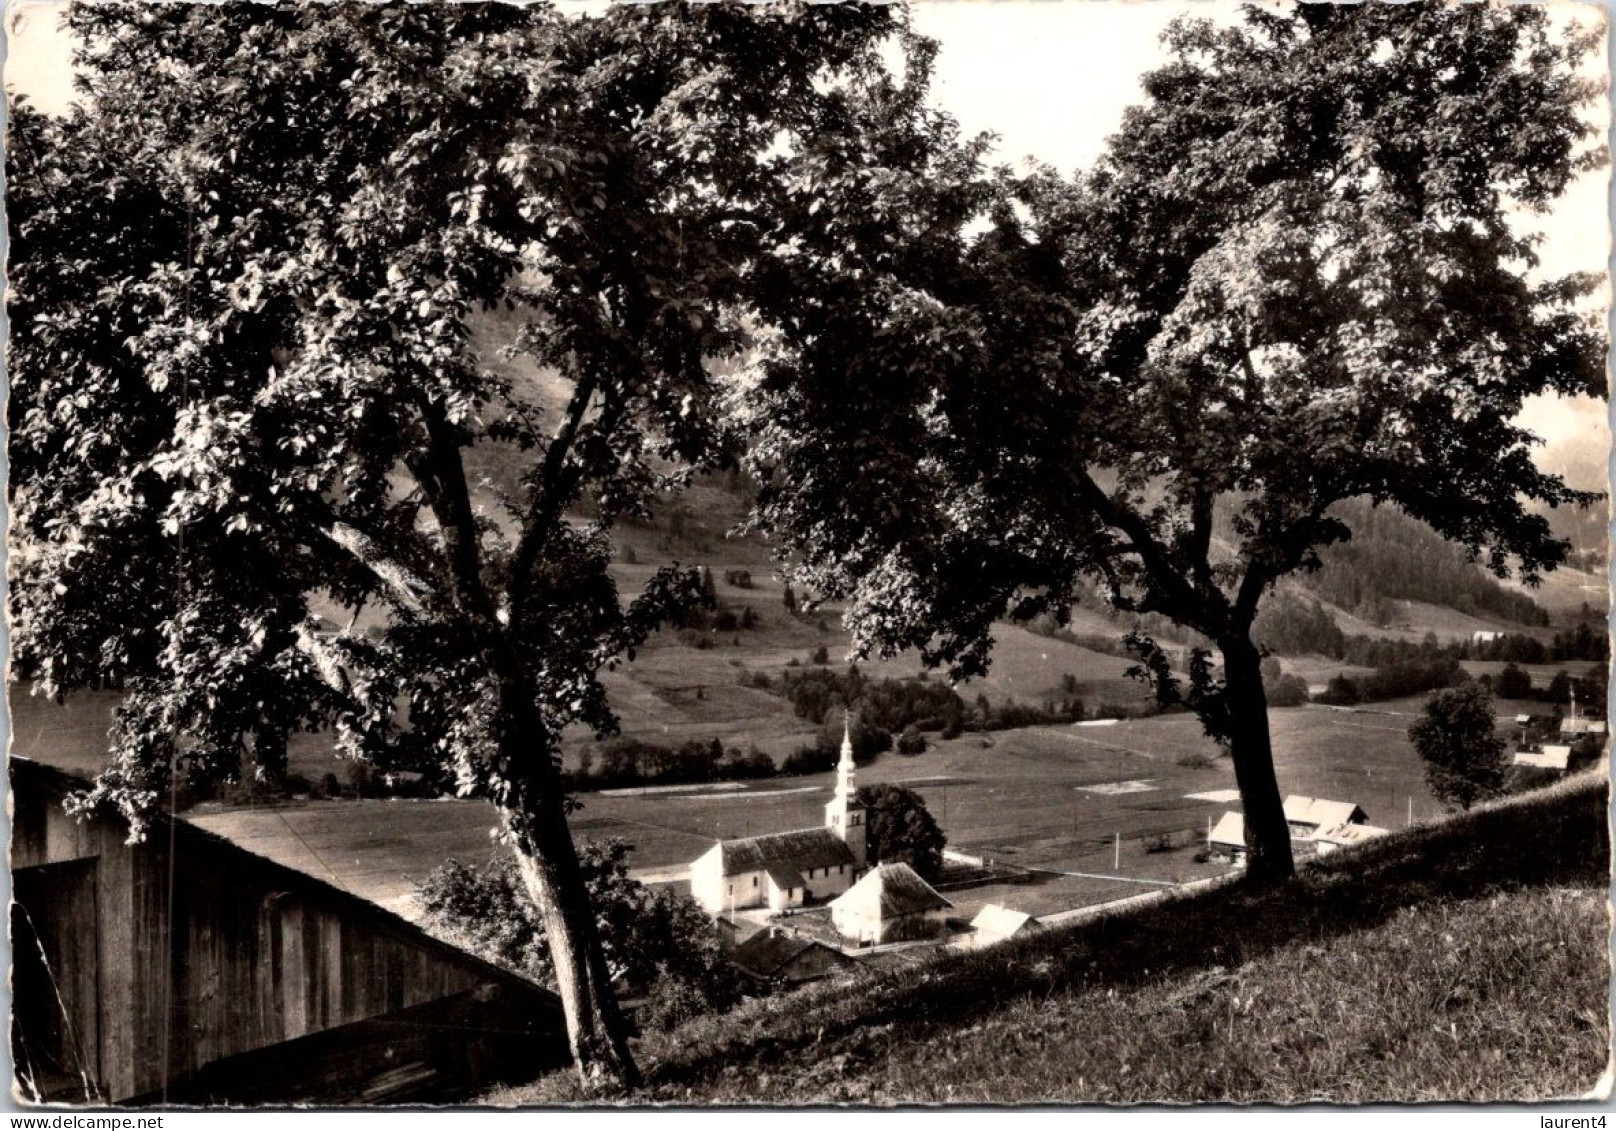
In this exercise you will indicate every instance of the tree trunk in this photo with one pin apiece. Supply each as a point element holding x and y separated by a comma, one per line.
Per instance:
<point>1268,838</point>
<point>596,1029</point>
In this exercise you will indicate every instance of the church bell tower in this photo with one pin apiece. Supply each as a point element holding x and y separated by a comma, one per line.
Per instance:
<point>844,816</point>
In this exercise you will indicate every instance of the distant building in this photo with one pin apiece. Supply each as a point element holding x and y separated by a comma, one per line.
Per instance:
<point>1307,815</point>
<point>776,959</point>
<point>1228,837</point>
<point>1579,727</point>
<point>1486,637</point>
<point>782,871</point>
<point>994,924</point>
<point>1326,841</point>
<point>1327,825</point>
<point>1551,757</point>
<point>890,904</point>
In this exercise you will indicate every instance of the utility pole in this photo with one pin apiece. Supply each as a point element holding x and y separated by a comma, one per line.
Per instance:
<point>1116,853</point>
<point>1410,813</point>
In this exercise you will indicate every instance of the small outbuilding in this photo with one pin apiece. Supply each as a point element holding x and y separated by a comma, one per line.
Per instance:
<point>890,904</point>
<point>770,958</point>
<point>1326,841</point>
<point>1307,815</point>
<point>1551,757</point>
<point>995,924</point>
<point>1228,837</point>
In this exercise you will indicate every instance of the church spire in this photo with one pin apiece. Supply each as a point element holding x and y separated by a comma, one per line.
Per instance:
<point>844,768</point>
<point>844,816</point>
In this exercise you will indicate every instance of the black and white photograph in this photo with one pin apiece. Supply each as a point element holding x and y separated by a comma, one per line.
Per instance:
<point>800,555</point>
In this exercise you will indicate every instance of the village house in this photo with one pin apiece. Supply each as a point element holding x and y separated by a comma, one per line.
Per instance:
<point>995,923</point>
<point>782,871</point>
<point>1326,825</point>
<point>890,904</point>
<point>1326,841</point>
<point>1307,815</point>
<point>771,958</point>
<point>1552,756</point>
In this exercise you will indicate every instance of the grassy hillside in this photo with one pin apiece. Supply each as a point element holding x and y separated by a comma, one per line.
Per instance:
<point>1460,961</point>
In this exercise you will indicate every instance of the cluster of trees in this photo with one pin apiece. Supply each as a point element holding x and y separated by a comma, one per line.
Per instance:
<point>1393,681</point>
<point>1581,642</point>
<point>1590,689</point>
<point>1294,624</point>
<point>625,762</point>
<point>244,285</point>
<point>819,694</point>
<point>658,944</point>
<point>1282,688</point>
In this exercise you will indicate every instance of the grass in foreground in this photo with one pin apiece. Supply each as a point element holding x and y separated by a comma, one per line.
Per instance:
<point>1461,961</point>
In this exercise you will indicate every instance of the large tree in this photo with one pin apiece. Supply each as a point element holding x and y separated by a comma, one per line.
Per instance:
<point>1297,276</point>
<point>275,464</point>
<point>1456,736</point>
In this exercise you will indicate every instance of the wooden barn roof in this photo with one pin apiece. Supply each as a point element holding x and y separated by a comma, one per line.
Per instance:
<point>229,856</point>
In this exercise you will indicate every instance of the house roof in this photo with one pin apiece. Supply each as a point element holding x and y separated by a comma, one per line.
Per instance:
<point>1582,726</point>
<point>797,851</point>
<point>1230,829</point>
<point>785,877</point>
<point>1324,814</point>
<point>1349,834</point>
<point>766,954</point>
<point>1552,758</point>
<point>895,889</point>
<point>1005,921</point>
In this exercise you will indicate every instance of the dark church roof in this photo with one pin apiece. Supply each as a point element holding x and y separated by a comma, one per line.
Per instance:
<point>795,851</point>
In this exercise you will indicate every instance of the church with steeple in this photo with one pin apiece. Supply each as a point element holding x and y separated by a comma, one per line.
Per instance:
<point>781,871</point>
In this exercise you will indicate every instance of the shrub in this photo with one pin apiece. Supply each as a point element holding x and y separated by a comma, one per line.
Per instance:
<point>1287,691</point>
<point>1155,843</point>
<point>911,741</point>
<point>738,578</point>
<point>820,655</point>
<point>1340,692</point>
<point>656,941</point>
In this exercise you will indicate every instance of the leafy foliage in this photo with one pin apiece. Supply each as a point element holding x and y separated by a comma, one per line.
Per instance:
<point>1290,281</point>
<point>656,941</point>
<point>900,829</point>
<point>1455,736</point>
<point>250,277</point>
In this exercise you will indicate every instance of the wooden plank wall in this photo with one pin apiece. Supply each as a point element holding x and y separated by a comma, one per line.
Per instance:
<point>261,955</point>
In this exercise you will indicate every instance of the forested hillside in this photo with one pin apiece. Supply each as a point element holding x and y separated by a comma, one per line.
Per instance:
<point>1393,557</point>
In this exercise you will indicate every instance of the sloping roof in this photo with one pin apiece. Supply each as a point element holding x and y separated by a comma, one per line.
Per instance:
<point>785,878</point>
<point>1552,758</point>
<point>897,889</point>
<point>766,954</point>
<point>1230,829</point>
<point>1348,834</point>
<point>1582,726</point>
<point>799,851</point>
<point>226,856</point>
<point>1003,921</point>
<point>1318,811</point>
